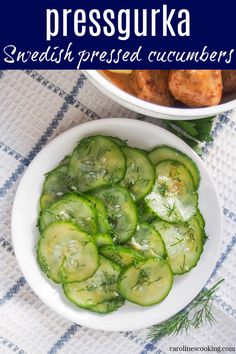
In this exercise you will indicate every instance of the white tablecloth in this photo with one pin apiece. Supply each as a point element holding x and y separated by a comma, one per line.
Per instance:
<point>35,106</point>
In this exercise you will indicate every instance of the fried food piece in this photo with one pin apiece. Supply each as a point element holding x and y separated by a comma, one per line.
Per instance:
<point>229,81</point>
<point>126,72</point>
<point>152,86</point>
<point>196,88</point>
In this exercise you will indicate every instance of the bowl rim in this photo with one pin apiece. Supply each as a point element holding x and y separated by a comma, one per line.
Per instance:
<point>17,241</point>
<point>122,97</point>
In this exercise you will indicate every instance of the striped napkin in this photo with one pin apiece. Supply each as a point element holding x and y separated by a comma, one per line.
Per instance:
<point>36,106</point>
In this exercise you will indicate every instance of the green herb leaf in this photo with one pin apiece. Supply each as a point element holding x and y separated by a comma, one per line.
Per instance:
<point>204,127</point>
<point>182,135</point>
<point>198,129</point>
<point>193,132</point>
<point>187,126</point>
<point>198,312</point>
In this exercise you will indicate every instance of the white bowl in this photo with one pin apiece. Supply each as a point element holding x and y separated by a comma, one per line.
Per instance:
<point>154,110</point>
<point>25,233</point>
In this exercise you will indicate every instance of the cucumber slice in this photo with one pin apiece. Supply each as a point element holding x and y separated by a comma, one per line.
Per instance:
<point>164,152</point>
<point>97,161</point>
<point>117,141</point>
<point>102,217</point>
<point>146,214</point>
<point>184,244</point>
<point>140,174</point>
<point>65,253</point>
<point>71,208</point>
<point>54,187</point>
<point>102,286</point>
<point>202,223</point>
<point>122,212</point>
<point>146,283</point>
<point>148,241</point>
<point>173,198</point>
<point>108,306</point>
<point>65,160</point>
<point>200,219</point>
<point>102,240</point>
<point>121,255</point>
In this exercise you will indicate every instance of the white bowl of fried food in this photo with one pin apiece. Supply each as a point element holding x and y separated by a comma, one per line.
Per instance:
<point>169,94</point>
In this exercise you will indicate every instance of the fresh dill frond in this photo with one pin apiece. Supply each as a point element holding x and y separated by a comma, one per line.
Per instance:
<point>116,257</point>
<point>137,260</point>
<point>178,240</point>
<point>108,281</point>
<point>91,287</point>
<point>183,266</point>
<point>197,313</point>
<point>163,188</point>
<point>143,278</point>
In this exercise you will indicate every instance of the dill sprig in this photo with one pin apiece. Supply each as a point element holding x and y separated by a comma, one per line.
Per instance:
<point>198,312</point>
<point>143,278</point>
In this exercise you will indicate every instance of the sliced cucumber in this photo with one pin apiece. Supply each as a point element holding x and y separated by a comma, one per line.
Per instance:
<point>146,214</point>
<point>54,187</point>
<point>103,239</point>
<point>100,245</point>
<point>146,283</point>
<point>102,217</point>
<point>102,286</point>
<point>66,254</point>
<point>200,219</point>
<point>71,208</point>
<point>148,241</point>
<point>202,223</point>
<point>97,161</point>
<point>140,174</point>
<point>184,243</point>
<point>108,306</point>
<point>121,255</point>
<point>173,197</point>
<point>122,212</point>
<point>164,152</point>
<point>117,141</point>
<point>64,162</point>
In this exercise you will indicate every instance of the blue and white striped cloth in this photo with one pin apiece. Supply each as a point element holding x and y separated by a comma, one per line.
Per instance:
<point>34,108</point>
